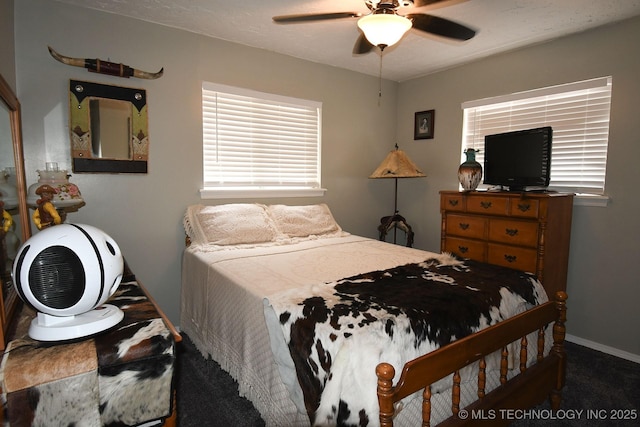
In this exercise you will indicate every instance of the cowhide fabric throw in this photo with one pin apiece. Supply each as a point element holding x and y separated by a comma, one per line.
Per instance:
<point>118,377</point>
<point>135,362</point>
<point>338,332</point>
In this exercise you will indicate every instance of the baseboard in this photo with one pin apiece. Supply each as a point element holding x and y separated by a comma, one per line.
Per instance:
<point>604,348</point>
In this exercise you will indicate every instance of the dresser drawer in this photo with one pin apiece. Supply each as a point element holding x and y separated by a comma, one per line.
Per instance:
<point>474,227</point>
<point>452,202</point>
<point>513,232</point>
<point>488,205</point>
<point>512,257</point>
<point>464,248</point>
<point>525,208</point>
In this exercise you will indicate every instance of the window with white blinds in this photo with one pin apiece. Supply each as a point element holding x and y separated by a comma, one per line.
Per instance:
<point>577,112</point>
<point>259,144</point>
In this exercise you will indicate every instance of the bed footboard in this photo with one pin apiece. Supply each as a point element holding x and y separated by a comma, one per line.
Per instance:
<point>531,386</point>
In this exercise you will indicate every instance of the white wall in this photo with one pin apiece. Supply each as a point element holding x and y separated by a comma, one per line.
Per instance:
<point>143,213</point>
<point>603,286</point>
<point>7,53</point>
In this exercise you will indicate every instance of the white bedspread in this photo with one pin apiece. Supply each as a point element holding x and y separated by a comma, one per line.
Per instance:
<point>235,335</point>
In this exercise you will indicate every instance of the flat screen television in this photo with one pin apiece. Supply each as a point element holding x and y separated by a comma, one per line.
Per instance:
<point>517,160</point>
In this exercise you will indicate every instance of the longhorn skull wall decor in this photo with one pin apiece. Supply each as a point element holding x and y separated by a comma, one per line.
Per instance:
<point>105,67</point>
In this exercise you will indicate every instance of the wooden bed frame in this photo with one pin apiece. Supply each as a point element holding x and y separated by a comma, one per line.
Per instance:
<point>531,386</point>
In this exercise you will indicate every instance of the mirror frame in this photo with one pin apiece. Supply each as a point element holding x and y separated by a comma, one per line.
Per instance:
<point>11,101</point>
<point>80,94</point>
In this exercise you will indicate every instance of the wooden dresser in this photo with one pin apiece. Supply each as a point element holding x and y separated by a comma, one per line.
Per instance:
<point>525,231</point>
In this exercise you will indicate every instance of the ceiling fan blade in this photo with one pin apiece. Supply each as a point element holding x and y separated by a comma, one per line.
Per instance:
<point>440,26</point>
<point>306,17</point>
<point>420,3</point>
<point>362,45</point>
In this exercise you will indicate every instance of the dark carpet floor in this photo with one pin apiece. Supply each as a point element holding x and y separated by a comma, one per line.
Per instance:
<point>598,385</point>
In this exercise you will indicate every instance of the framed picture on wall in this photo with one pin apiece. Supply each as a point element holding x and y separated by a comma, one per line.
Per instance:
<point>424,124</point>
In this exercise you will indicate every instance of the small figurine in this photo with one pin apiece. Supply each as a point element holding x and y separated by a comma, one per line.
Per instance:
<point>6,221</point>
<point>46,214</point>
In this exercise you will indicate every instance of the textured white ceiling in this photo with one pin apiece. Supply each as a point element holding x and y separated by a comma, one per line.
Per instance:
<point>501,25</point>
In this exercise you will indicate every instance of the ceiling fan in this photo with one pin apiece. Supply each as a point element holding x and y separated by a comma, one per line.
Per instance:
<point>383,26</point>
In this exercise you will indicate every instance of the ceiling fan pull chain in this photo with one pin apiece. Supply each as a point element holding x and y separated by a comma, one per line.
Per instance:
<point>380,80</point>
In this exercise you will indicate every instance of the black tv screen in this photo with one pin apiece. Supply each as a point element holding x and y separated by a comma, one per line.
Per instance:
<point>518,159</point>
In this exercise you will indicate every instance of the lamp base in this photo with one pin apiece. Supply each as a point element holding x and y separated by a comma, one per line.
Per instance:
<point>56,328</point>
<point>395,221</point>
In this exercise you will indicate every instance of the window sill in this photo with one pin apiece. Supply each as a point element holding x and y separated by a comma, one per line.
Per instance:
<point>242,193</point>
<point>591,200</point>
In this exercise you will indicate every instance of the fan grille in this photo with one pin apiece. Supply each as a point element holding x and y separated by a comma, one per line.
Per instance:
<point>57,277</point>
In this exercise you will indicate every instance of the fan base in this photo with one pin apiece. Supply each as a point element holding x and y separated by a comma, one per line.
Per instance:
<point>55,328</point>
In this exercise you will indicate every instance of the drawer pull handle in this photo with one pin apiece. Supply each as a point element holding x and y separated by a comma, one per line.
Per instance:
<point>464,226</point>
<point>523,207</point>
<point>510,258</point>
<point>463,249</point>
<point>485,205</point>
<point>511,231</point>
<point>453,202</point>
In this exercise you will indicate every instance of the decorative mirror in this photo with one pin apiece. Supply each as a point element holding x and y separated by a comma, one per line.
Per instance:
<point>109,128</point>
<point>15,227</point>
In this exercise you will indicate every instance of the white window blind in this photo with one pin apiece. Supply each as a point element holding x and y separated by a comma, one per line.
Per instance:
<point>259,142</point>
<point>577,112</point>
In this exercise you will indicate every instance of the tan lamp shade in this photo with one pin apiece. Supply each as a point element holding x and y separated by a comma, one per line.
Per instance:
<point>397,165</point>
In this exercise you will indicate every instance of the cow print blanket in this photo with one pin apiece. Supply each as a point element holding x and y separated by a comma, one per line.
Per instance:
<point>338,332</point>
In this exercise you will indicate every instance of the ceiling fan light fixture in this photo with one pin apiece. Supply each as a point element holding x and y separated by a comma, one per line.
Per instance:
<point>384,29</point>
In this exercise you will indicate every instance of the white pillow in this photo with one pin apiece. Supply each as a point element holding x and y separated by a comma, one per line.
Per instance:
<point>230,224</point>
<point>303,221</point>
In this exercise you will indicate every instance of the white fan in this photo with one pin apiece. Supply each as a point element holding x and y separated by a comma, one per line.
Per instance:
<point>66,273</point>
